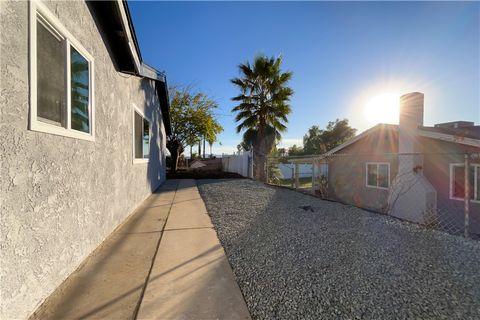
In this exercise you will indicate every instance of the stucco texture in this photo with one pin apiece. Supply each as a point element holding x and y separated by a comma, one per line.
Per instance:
<point>351,162</point>
<point>437,171</point>
<point>60,197</point>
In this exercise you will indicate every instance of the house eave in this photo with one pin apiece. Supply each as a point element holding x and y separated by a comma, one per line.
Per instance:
<point>450,138</point>
<point>361,136</point>
<point>141,68</point>
<point>114,20</point>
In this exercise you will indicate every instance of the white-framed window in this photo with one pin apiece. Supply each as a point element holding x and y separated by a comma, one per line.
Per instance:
<point>457,181</point>
<point>142,128</point>
<point>61,78</point>
<point>377,175</point>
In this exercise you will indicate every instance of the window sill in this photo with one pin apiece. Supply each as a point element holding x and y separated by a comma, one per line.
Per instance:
<point>462,199</point>
<point>60,131</point>
<point>375,187</point>
<point>140,161</point>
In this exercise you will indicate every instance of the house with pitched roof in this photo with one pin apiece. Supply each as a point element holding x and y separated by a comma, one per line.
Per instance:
<point>411,171</point>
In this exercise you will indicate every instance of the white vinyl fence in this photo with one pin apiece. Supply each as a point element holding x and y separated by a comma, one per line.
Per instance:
<point>240,163</point>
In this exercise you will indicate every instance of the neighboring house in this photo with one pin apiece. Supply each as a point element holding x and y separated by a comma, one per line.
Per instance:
<point>82,137</point>
<point>409,170</point>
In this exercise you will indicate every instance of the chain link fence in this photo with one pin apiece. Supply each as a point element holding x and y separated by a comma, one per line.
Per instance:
<point>430,189</point>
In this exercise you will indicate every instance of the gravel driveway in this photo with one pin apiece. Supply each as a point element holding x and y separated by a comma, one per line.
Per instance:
<point>338,262</point>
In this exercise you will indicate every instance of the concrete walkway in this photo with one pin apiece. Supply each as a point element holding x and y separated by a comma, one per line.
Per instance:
<point>191,277</point>
<point>165,262</point>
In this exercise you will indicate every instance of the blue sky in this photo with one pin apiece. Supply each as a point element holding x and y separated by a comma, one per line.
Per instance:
<point>342,54</point>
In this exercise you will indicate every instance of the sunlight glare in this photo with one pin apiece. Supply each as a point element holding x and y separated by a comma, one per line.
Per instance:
<point>383,108</point>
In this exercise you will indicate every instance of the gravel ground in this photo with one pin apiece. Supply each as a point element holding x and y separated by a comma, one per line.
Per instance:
<point>338,262</point>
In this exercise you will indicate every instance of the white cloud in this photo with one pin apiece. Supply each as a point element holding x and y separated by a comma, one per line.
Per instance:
<point>287,143</point>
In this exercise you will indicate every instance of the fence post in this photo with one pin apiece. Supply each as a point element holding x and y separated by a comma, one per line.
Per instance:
<point>251,164</point>
<point>266,169</point>
<point>313,176</point>
<point>297,174</point>
<point>466,194</point>
<point>293,177</point>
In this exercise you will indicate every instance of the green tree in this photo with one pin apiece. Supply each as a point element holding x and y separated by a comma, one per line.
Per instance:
<point>312,140</point>
<point>295,151</point>
<point>213,128</point>
<point>281,152</point>
<point>263,106</point>
<point>318,141</point>
<point>251,135</point>
<point>191,117</point>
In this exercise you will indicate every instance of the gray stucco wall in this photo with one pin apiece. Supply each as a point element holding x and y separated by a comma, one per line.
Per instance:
<point>437,170</point>
<point>60,197</point>
<point>347,170</point>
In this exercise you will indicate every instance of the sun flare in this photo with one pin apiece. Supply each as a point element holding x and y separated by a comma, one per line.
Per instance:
<point>383,108</point>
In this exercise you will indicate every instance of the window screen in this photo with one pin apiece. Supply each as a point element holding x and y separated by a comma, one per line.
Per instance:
<point>382,179</point>
<point>79,91</point>
<point>471,177</point>
<point>138,136</point>
<point>477,195</point>
<point>458,182</point>
<point>372,175</point>
<point>146,138</point>
<point>378,175</point>
<point>50,76</point>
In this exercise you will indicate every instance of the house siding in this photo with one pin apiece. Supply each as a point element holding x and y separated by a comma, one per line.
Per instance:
<point>438,157</point>
<point>347,175</point>
<point>346,171</point>
<point>61,197</point>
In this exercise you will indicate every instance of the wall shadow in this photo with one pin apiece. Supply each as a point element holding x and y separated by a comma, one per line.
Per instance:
<point>156,166</point>
<point>95,10</point>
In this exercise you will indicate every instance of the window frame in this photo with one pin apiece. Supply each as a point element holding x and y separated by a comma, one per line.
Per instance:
<point>366,175</point>
<point>476,183</point>
<point>36,8</point>
<point>141,114</point>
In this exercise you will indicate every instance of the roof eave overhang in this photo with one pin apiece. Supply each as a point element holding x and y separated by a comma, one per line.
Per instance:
<point>113,17</point>
<point>162,92</point>
<point>360,136</point>
<point>125,20</point>
<point>450,138</point>
<point>141,68</point>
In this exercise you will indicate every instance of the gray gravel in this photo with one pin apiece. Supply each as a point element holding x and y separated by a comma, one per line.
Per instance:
<point>338,262</point>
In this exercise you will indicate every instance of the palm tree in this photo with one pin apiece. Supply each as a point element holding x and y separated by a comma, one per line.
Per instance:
<point>263,106</point>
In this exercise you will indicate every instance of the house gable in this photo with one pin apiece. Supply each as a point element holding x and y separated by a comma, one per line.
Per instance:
<point>382,138</point>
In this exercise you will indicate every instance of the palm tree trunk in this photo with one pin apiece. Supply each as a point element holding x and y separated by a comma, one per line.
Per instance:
<point>260,152</point>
